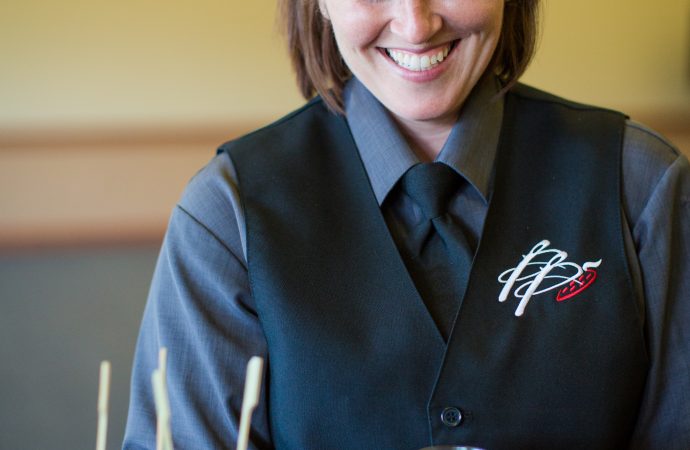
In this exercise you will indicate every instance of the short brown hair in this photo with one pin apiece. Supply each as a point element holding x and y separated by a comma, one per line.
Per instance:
<point>320,68</point>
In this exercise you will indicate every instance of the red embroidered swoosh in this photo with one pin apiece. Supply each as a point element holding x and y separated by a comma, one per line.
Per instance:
<point>575,287</point>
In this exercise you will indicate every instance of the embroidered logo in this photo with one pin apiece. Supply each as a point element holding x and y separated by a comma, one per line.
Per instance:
<point>544,269</point>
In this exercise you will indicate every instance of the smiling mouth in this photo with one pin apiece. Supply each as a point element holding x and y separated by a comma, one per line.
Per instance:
<point>419,62</point>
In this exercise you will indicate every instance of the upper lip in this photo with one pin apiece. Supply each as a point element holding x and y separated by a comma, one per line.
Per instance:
<point>420,51</point>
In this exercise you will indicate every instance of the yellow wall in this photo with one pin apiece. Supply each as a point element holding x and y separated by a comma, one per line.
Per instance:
<point>628,54</point>
<point>84,63</point>
<point>107,108</point>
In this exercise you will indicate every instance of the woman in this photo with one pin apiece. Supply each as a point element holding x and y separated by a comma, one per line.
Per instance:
<point>427,253</point>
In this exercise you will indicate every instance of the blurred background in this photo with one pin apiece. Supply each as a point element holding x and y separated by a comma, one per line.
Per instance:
<point>108,108</point>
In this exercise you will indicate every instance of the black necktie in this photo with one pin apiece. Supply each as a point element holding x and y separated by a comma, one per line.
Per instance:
<point>437,254</point>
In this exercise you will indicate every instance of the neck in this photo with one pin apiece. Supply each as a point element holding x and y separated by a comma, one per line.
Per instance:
<point>426,138</point>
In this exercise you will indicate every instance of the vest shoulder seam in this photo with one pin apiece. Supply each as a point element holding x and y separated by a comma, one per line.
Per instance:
<point>308,107</point>
<point>530,93</point>
<point>186,212</point>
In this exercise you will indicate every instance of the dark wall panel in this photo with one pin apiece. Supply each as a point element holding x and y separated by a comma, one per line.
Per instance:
<point>62,312</point>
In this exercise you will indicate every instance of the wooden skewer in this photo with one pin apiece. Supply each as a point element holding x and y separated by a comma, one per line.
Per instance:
<point>163,361</point>
<point>160,396</point>
<point>103,396</point>
<point>162,410</point>
<point>162,367</point>
<point>252,389</point>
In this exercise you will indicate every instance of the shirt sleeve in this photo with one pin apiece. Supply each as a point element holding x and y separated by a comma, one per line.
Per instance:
<point>201,309</point>
<point>659,217</point>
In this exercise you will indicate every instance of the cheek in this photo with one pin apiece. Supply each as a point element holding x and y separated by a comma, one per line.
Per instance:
<point>495,20</point>
<point>482,17</point>
<point>354,29</point>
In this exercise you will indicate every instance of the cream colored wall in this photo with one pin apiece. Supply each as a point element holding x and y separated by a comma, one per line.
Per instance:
<point>80,63</point>
<point>107,108</point>
<point>632,55</point>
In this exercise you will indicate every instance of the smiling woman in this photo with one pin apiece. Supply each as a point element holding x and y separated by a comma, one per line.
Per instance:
<point>425,100</point>
<point>321,68</point>
<point>423,94</point>
<point>373,247</point>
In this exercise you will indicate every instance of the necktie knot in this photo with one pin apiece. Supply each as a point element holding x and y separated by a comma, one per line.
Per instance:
<point>431,185</point>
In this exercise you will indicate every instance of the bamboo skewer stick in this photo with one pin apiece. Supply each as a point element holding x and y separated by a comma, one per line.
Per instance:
<point>160,396</point>
<point>162,367</point>
<point>252,389</point>
<point>103,397</point>
<point>163,362</point>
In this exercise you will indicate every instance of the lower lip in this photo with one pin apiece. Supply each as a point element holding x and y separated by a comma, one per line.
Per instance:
<point>421,76</point>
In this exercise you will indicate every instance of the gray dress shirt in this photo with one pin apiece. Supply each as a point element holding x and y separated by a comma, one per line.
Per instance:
<point>200,305</point>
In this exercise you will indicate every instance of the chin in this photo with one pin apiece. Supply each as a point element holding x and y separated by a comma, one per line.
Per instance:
<point>424,112</point>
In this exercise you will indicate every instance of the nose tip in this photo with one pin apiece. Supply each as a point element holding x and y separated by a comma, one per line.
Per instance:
<point>416,22</point>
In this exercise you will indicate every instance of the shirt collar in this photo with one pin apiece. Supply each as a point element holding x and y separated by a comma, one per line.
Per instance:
<point>470,148</point>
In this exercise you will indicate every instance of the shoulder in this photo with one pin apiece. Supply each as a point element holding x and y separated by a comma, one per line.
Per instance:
<point>311,117</point>
<point>212,197</point>
<point>645,145</point>
<point>212,192</point>
<point>647,159</point>
<point>569,124</point>
<point>543,98</point>
<point>639,140</point>
<point>211,201</point>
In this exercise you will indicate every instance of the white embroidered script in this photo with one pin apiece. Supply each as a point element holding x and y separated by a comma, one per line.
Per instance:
<point>542,269</point>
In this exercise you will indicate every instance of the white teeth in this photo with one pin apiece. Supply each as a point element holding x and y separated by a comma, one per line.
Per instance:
<point>417,63</point>
<point>424,62</point>
<point>414,63</point>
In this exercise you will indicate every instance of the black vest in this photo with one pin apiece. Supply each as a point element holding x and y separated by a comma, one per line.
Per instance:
<point>355,359</point>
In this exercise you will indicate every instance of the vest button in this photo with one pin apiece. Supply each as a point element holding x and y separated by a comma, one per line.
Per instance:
<point>451,416</point>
